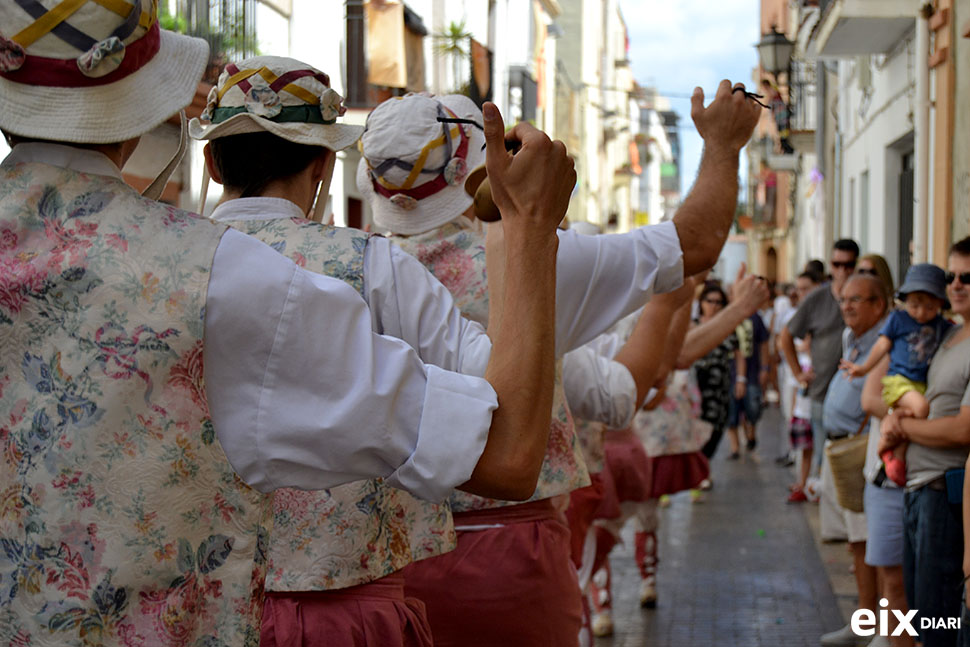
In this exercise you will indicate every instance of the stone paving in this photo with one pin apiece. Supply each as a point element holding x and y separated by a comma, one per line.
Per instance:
<point>743,568</point>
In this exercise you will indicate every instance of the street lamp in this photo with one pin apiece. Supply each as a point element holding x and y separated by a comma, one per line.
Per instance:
<point>774,51</point>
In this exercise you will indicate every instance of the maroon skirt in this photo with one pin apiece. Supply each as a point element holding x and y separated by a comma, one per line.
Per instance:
<point>677,472</point>
<point>375,614</point>
<point>628,465</point>
<point>583,506</point>
<point>511,584</point>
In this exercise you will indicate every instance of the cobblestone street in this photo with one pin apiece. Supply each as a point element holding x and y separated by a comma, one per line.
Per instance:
<point>743,568</point>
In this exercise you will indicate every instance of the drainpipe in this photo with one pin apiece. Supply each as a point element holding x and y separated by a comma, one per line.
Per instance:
<point>921,193</point>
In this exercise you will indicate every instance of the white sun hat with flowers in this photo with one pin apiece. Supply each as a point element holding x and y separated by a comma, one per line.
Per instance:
<point>283,96</point>
<point>417,151</point>
<point>92,71</point>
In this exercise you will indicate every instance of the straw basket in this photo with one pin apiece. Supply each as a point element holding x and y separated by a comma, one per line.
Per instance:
<point>847,457</point>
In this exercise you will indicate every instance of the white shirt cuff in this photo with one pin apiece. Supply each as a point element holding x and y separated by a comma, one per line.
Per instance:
<point>670,268</point>
<point>445,458</point>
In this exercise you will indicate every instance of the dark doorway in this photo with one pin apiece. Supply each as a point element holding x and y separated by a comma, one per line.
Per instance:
<point>905,215</point>
<point>355,213</point>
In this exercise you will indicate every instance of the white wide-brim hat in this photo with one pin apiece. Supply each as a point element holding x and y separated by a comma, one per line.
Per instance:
<point>96,76</point>
<point>283,96</point>
<point>417,150</point>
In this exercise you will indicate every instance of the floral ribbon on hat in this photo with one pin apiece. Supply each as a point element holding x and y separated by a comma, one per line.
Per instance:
<point>12,55</point>
<point>104,57</point>
<point>261,90</point>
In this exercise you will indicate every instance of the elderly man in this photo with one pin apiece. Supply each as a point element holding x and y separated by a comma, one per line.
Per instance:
<point>863,306</point>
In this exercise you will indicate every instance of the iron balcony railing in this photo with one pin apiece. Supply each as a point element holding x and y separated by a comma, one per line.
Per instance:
<point>803,107</point>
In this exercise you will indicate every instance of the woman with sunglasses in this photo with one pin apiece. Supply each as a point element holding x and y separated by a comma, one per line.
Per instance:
<point>711,348</point>
<point>876,265</point>
<point>714,369</point>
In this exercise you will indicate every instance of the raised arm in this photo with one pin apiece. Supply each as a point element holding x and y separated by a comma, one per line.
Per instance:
<point>749,292</point>
<point>704,219</point>
<point>643,353</point>
<point>531,190</point>
<point>676,334</point>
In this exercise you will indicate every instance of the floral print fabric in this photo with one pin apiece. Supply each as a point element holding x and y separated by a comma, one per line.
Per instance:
<point>361,531</point>
<point>455,254</point>
<point>590,436</point>
<point>673,426</point>
<point>121,520</point>
<point>713,373</point>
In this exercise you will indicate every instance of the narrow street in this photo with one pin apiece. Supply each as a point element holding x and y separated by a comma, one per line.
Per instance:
<point>740,569</point>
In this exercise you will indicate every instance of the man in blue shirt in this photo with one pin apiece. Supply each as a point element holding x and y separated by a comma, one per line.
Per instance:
<point>863,305</point>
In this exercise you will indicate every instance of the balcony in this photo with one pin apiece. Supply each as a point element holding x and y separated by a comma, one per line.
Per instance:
<point>802,106</point>
<point>860,27</point>
<point>229,27</point>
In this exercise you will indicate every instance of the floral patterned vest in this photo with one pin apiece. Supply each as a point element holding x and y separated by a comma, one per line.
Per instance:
<point>590,436</point>
<point>121,520</point>
<point>455,254</point>
<point>361,531</point>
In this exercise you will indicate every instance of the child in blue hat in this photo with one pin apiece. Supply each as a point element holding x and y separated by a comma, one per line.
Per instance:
<point>911,337</point>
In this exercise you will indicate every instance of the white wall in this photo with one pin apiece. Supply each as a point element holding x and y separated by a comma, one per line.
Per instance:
<point>869,126</point>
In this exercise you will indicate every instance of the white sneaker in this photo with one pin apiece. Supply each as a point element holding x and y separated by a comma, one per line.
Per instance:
<point>813,488</point>
<point>602,624</point>
<point>648,593</point>
<point>844,637</point>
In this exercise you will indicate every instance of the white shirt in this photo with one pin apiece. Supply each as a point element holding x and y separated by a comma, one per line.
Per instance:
<point>598,389</point>
<point>601,279</point>
<point>302,392</point>
<point>405,300</point>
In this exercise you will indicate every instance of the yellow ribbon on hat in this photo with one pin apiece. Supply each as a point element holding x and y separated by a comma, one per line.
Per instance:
<point>60,13</point>
<point>419,163</point>
<point>122,8</point>
<point>294,89</point>
<point>43,25</point>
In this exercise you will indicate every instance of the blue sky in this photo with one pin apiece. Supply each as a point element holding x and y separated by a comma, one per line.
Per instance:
<point>676,45</point>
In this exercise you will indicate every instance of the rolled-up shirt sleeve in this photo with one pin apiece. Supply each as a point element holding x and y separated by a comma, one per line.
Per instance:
<point>601,279</point>
<point>598,389</point>
<point>304,394</point>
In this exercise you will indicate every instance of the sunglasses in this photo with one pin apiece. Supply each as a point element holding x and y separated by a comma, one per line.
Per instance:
<point>963,276</point>
<point>848,265</point>
<point>866,270</point>
<point>716,302</point>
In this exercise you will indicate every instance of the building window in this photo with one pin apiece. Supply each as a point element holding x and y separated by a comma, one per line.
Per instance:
<point>385,56</point>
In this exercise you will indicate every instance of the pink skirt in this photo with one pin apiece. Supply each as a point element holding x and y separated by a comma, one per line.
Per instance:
<point>629,466</point>
<point>583,506</point>
<point>609,507</point>
<point>677,472</point>
<point>375,614</point>
<point>511,585</point>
